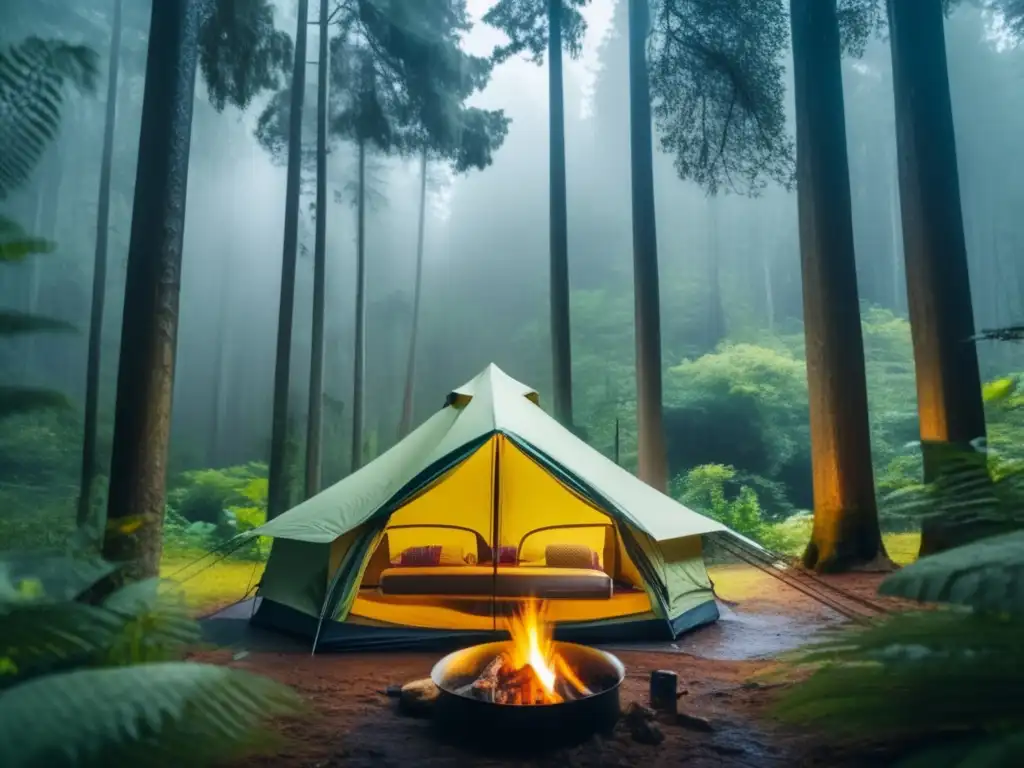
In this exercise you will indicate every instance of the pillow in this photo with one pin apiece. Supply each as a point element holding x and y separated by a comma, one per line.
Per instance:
<point>452,554</point>
<point>420,556</point>
<point>569,556</point>
<point>597,561</point>
<point>507,555</point>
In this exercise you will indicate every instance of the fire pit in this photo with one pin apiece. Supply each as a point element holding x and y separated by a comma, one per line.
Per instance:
<point>529,691</point>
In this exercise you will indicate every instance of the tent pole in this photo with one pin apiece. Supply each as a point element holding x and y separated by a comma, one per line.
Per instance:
<point>495,540</point>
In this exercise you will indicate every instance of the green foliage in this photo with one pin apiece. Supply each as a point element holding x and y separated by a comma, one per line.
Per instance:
<point>93,685</point>
<point>241,53</point>
<point>703,489</point>
<point>526,23</point>
<point>718,91</point>
<point>33,74</point>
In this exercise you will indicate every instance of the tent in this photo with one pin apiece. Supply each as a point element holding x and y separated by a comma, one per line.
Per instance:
<point>487,503</point>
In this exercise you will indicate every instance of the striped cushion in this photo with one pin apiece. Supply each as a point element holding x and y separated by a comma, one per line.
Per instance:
<point>417,556</point>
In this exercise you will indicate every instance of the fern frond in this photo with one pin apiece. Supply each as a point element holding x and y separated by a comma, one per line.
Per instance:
<point>986,575</point>
<point>16,244</point>
<point>38,637</point>
<point>54,577</point>
<point>173,713</point>
<point>937,671</point>
<point>156,622</point>
<point>33,74</point>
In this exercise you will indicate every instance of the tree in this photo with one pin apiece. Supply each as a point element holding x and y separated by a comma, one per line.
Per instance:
<point>717,88</point>
<point>90,464</point>
<point>278,496</point>
<point>845,532</point>
<point>180,37</point>
<point>532,26</point>
<point>949,400</point>
<point>652,463</point>
<point>314,426</point>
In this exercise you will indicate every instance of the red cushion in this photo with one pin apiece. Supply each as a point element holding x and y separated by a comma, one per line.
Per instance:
<point>507,556</point>
<point>414,556</point>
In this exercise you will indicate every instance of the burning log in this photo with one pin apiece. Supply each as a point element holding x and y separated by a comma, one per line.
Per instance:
<point>501,682</point>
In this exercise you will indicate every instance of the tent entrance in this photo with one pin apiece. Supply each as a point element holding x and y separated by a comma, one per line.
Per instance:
<point>494,530</point>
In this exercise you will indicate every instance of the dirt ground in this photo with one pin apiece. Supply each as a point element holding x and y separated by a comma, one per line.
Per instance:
<point>724,668</point>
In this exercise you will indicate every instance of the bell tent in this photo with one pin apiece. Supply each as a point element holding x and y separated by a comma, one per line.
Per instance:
<point>489,502</point>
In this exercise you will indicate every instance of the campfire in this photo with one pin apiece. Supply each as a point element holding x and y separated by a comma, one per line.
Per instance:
<point>532,690</point>
<point>529,670</point>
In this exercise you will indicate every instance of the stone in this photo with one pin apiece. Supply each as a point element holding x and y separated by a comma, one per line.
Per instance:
<point>393,691</point>
<point>640,721</point>
<point>418,697</point>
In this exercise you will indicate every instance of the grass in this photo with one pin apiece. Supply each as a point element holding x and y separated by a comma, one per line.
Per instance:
<point>207,589</point>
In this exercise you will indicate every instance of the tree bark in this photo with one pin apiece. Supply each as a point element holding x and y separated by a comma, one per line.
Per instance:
<point>949,399</point>
<point>410,365</point>
<point>314,426</point>
<point>145,380</point>
<point>278,491</point>
<point>90,464</point>
<point>561,329</point>
<point>651,457</point>
<point>360,330</point>
<point>845,532</point>
<point>716,312</point>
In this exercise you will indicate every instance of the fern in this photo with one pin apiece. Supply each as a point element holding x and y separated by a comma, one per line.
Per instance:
<point>93,685</point>
<point>987,575</point>
<point>33,74</point>
<point>171,713</point>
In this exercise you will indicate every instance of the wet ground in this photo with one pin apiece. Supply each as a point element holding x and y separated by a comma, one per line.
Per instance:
<point>721,667</point>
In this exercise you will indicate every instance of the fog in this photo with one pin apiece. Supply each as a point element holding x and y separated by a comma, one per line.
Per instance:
<point>486,251</point>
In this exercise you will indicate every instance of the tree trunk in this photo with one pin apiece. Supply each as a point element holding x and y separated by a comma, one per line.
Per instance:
<point>716,312</point>
<point>846,532</point>
<point>221,369</point>
<point>360,331</point>
<point>769,295</point>
<point>278,496</point>
<point>561,329</point>
<point>410,366</point>
<point>899,293</point>
<point>949,400</point>
<point>651,457</point>
<point>90,464</point>
<point>145,379</point>
<point>314,426</point>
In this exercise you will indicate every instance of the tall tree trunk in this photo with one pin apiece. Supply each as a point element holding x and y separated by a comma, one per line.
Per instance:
<point>846,532</point>
<point>221,369</point>
<point>561,329</point>
<point>90,464</point>
<point>769,293</point>
<point>410,365</point>
<point>360,334</point>
<point>314,426</point>
<point>145,379</point>
<point>278,496</point>
<point>899,293</point>
<point>949,400</point>
<point>716,312</point>
<point>652,460</point>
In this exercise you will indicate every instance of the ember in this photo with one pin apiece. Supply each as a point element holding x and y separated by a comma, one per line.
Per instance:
<point>530,670</point>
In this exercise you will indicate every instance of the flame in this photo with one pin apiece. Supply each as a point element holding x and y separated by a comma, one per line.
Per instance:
<point>533,646</point>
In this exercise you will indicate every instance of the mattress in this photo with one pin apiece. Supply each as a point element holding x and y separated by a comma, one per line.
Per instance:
<point>511,581</point>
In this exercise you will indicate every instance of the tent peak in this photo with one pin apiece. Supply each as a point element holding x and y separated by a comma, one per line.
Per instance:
<point>493,380</point>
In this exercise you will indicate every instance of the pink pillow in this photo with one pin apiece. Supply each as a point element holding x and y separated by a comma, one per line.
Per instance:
<point>420,556</point>
<point>507,555</point>
<point>595,561</point>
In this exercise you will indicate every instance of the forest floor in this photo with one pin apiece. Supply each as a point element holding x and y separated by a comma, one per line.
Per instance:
<point>727,669</point>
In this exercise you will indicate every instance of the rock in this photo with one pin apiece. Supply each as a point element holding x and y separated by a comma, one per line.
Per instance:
<point>393,691</point>
<point>640,721</point>
<point>694,723</point>
<point>417,698</point>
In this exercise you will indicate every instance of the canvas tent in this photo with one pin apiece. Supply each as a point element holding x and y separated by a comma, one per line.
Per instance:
<point>488,502</point>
